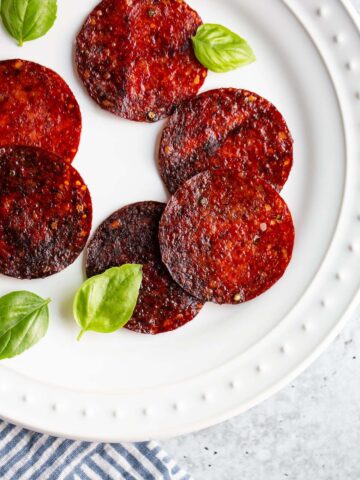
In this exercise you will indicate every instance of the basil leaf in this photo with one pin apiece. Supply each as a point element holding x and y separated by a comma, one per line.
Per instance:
<point>106,302</point>
<point>221,50</point>
<point>28,19</point>
<point>24,320</point>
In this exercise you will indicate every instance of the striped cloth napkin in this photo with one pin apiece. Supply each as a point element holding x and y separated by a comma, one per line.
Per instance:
<point>26,455</point>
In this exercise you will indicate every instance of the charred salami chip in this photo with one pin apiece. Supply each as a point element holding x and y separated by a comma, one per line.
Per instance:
<point>45,213</point>
<point>226,238</point>
<point>136,59</point>
<point>38,109</point>
<point>130,235</point>
<point>226,129</point>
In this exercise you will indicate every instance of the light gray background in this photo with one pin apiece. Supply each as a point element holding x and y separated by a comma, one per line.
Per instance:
<point>308,431</point>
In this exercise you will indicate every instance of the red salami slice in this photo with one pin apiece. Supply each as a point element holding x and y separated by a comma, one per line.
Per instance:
<point>226,129</point>
<point>45,213</point>
<point>37,108</point>
<point>226,238</point>
<point>136,59</point>
<point>130,235</point>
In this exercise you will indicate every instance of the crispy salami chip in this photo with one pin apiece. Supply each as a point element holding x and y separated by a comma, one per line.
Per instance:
<point>136,59</point>
<point>45,213</point>
<point>130,235</point>
<point>226,129</point>
<point>38,109</point>
<point>226,238</point>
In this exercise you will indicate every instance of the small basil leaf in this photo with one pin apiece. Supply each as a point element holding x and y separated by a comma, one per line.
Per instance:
<point>221,50</point>
<point>28,19</point>
<point>106,302</point>
<point>24,320</point>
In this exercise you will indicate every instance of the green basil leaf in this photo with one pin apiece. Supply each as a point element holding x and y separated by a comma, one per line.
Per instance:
<point>106,302</point>
<point>221,50</point>
<point>28,19</point>
<point>24,320</point>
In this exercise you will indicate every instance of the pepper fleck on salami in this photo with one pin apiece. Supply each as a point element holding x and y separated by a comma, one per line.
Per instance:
<point>226,129</point>
<point>136,59</point>
<point>130,235</point>
<point>38,109</point>
<point>226,238</point>
<point>45,213</point>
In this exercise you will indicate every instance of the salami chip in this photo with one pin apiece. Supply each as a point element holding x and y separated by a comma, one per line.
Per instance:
<point>38,109</point>
<point>130,235</point>
<point>226,129</point>
<point>226,238</point>
<point>45,213</point>
<point>136,59</point>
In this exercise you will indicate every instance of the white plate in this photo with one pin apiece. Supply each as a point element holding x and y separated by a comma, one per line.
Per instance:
<point>127,386</point>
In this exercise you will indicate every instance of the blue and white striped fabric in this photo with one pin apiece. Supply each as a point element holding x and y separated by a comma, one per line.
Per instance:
<point>26,455</point>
